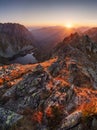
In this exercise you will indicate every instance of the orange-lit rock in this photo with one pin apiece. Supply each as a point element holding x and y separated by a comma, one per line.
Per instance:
<point>1,81</point>
<point>38,116</point>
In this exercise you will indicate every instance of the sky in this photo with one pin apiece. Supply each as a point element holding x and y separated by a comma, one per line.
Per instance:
<point>49,12</point>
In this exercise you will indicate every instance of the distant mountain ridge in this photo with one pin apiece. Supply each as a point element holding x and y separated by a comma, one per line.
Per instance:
<point>52,34</point>
<point>47,38</point>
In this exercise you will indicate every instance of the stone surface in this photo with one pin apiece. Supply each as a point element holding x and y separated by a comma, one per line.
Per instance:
<point>8,119</point>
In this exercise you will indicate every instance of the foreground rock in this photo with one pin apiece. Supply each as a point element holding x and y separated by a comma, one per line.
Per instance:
<point>51,103</point>
<point>72,120</point>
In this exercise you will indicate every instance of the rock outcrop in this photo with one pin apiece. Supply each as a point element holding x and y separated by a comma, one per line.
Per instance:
<point>92,33</point>
<point>80,53</point>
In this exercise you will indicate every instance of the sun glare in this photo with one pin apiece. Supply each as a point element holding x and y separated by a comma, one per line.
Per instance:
<point>68,25</point>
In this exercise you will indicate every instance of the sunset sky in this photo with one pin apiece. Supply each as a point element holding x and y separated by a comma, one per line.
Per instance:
<point>49,12</point>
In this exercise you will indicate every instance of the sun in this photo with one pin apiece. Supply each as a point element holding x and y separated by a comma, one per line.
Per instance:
<point>69,25</point>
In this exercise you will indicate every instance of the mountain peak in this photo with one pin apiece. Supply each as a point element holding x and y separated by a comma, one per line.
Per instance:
<point>14,39</point>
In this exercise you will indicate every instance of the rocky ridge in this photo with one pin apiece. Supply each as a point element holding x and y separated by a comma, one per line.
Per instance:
<point>58,94</point>
<point>92,33</point>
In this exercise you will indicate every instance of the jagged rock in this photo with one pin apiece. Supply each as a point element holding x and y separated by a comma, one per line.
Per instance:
<point>28,92</point>
<point>78,127</point>
<point>38,69</point>
<point>92,33</point>
<point>54,69</point>
<point>8,119</point>
<point>94,123</point>
<point>10,93</point>
<point>70,93</point>
<point>71,120</point>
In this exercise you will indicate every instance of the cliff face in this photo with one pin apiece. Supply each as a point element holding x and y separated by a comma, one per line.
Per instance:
<point>14,38</point>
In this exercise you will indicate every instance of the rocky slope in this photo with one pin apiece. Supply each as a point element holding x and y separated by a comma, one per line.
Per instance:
<point>58,94</point>
<point>92,33</point>
<point>15,39</point>
<point>82,51</point>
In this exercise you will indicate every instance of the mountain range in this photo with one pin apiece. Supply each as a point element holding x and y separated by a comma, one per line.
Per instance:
<point>16,41</point>
<point>57,94</point>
